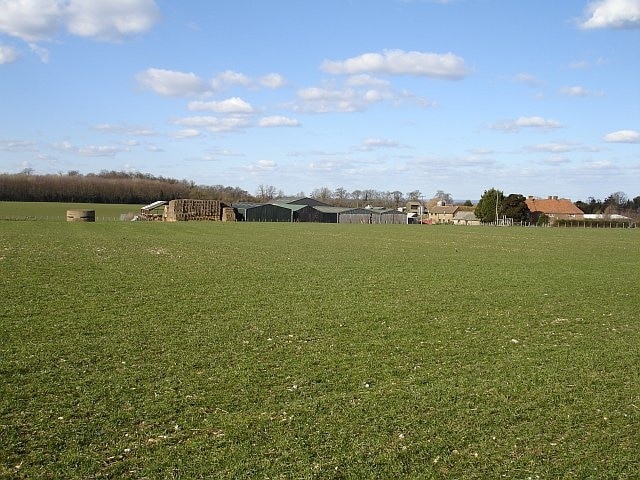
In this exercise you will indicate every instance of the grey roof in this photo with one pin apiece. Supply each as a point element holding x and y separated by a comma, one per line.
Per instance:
<point>290,206</point>
<point>468,216</point>
<point>443,209</point>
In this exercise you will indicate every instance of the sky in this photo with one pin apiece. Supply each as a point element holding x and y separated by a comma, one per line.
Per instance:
<point>538,97</point>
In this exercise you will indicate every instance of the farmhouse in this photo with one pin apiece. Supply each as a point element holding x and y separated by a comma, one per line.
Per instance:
<point>554,208</point>
<point>442,213</point>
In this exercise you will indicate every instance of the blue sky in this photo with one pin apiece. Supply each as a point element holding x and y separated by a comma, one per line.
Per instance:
<point>534,97</point>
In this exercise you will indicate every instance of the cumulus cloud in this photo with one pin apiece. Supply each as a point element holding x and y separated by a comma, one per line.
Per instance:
<point>398,62</point>
<point>278,121</point>
<point>230,78</point>
<point>109,20</point>
<point>612,14</point>
<point>272,80</point>
<point>623,136</point>
<point>8,54</point>
<point>40,20</point>
<point>233,105</point>
<point>516,125</point>
<point>170,83</point>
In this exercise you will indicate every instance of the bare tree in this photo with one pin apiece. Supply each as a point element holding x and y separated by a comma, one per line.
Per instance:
<point>414,195</point>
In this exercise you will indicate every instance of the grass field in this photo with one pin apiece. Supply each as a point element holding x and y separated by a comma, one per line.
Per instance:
<point>209,350</point>
<point>51,211</point>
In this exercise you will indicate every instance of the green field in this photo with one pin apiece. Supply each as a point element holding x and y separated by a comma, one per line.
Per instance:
<point>51,211</point>
<point>210,350</point>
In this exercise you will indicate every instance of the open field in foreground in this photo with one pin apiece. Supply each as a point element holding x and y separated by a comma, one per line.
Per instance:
<point>209,350</point>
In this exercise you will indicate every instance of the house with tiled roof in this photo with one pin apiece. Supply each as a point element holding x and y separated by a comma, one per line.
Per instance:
<point>442,213</point>
<point>554,208</point>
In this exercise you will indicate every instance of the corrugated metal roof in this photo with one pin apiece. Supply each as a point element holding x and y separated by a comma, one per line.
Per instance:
<point>245,205</point>
<point>153,205</point>
<point>290,206</point>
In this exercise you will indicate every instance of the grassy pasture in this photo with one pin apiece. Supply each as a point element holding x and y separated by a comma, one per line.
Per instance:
<point>203,350</point>
<point>52,211</point>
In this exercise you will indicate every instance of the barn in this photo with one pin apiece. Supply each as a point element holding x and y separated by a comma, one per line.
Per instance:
<point>262,212</point>
<point>389,217</point>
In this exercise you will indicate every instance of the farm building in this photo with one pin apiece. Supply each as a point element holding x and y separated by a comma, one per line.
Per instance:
<point>389,217</point>
<point>262,212</point>
<point>442,213</point>
<point>466,218</point>
<point>554,208</point>
<point>154,211</point>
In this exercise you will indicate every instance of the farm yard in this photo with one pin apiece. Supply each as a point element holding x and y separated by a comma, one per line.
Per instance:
<point>301,350</point>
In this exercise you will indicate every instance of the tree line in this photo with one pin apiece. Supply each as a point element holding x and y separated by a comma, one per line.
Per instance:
<point>109,187</point>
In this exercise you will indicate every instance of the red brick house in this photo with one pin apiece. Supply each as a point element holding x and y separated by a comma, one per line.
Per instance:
<point>553,208</point>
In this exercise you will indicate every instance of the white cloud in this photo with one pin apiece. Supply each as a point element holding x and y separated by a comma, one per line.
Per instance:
<point>623,136</point>
<point>17,146</point>
<point>41,52</point>
<point>398,62</point>
<point>377,143</point>
<point>234,105</point>
<point>40,20</point>
<point>8,54</point>
<point>364,80</point>
<point>612,14</point>
<point>89,150</point>
<point>31,20</point>
<point>213,124</point>
<point>170,83</point>
<point>323,100</point>
<point>516,125</point>
<point>229,78</point>
<point>553,147</point>
<point>578,91</point>
<point>272,80</point>
<point>111,20</point>
<point>278,121</point>
<point>187,133</point>
<point>124,130</point>
<point>263,166</point>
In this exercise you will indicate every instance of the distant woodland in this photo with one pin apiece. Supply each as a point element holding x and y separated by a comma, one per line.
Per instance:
<point>109,187</point>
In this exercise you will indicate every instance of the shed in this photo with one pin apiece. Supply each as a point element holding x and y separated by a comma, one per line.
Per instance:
<point>262,212</point>
<point>154,211</point>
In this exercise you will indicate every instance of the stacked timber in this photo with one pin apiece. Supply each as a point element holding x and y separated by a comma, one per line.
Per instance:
<point>188,209</point>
